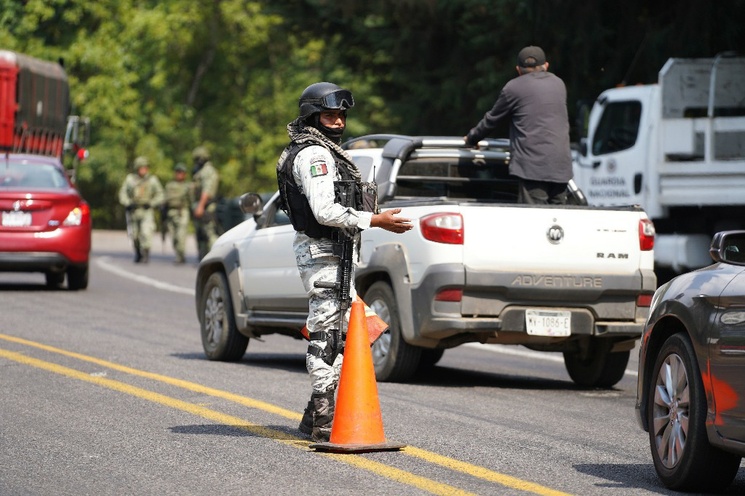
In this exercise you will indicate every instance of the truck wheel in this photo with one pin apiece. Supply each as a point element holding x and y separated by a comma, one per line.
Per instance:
<point>430,357</point>
<point>394,359</point>
<point>77,277</point>
<point>220,337</point>
<point>676,409</point>
<point>596,366</point>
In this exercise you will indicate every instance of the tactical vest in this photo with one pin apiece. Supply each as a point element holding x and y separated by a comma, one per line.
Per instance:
<point>177,194</point>
<point>347,192</point>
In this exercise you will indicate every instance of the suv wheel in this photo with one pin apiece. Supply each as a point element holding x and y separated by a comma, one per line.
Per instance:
<point>394,359</point>
<point>676,405</point>
<point>220,337</point>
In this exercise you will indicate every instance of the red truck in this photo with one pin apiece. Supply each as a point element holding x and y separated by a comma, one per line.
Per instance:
<point>45,224</point>
<point>34,105</point>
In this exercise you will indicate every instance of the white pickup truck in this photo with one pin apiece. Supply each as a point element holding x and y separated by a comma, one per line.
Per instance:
<point>477,267</point>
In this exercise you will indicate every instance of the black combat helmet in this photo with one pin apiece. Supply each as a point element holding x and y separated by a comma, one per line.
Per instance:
<point>324,96</point>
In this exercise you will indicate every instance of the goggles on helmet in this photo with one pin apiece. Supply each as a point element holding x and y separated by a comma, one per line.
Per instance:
<point>338,100</point>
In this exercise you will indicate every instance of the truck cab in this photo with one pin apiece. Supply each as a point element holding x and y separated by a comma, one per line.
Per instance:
<point>677,148</point>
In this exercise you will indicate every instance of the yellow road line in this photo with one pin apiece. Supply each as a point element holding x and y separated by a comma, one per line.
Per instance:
<point>482,473</point>
<point>431,457</point>
<point>239,423</point>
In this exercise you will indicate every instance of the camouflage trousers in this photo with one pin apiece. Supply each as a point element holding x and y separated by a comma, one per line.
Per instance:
<point>142,226</point>
<point>316,262</point>
<point>177,222</point>
<point>207,230</point>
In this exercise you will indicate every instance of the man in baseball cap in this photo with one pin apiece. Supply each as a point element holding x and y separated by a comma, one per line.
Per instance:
<point>531,56</point>
<point>535,105</point>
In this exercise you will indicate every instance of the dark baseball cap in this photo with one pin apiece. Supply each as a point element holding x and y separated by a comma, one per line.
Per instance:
<point>531,56</point>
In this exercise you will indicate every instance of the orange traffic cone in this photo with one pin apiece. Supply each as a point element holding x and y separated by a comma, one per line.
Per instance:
<point>358,424</point>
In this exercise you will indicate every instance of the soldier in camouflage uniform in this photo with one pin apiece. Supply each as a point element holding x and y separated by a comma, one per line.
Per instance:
<point>204,212</point>
<point>176,206</point>
<point>308,173</point>
<point>140,194</point>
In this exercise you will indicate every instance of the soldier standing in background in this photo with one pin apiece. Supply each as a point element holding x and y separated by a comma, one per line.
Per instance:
<point>206,184</point>
<point>140,194</point>
<point>176,206</point>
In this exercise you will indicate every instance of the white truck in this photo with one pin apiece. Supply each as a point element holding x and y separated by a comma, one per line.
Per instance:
<point>677,148</point>
<point>476,267</point>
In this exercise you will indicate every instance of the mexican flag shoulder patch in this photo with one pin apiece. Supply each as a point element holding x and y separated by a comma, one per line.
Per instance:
<point>318,169</point>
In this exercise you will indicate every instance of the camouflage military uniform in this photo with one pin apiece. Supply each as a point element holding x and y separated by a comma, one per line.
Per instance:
<point>322,191</point>
<point>177,203</point>
<point>206,181</point>
<point>317,164</point>
<point>140,195</point>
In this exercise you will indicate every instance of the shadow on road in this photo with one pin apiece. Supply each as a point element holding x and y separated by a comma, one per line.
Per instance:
<point>453,377</point>
<point>278,432</point>
<point>288,362</point>
<point>640,476</point>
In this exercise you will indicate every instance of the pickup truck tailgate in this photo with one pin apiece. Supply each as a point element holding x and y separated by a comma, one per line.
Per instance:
<point>526,239</point>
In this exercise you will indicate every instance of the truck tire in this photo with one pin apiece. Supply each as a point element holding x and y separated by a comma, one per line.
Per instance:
<point>430,357</point>
<point>220,337</point>
<point>596,366</point>
<point>394,359</point>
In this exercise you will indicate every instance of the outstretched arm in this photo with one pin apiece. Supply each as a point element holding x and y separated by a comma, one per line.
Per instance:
<point>390,222</point>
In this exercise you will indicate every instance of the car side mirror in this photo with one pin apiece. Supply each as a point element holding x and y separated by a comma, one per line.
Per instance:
<point>728,247</point>
<point>251,203</point>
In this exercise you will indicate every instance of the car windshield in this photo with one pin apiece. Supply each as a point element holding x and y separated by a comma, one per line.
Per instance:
<point>23,174</point>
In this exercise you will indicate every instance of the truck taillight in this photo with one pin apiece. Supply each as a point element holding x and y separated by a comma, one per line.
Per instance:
<point>449,294</point>
<point>646,235</point>
<point>644,300</point>
<point>443,227</point>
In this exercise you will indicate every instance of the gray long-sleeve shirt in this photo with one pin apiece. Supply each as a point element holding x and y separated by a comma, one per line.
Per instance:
<point>535,103</point>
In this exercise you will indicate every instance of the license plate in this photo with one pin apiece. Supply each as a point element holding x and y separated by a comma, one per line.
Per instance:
<point>16,219</point>
<point>548,322</point>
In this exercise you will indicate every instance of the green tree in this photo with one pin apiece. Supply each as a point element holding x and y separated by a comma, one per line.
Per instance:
<point>158,78</point>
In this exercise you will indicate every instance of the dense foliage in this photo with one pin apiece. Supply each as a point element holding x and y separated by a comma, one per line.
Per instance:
<point>159,77</point>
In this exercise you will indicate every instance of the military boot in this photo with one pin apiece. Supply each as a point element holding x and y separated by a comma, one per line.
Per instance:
<point>145,256</point>
<point>306,424</point>
<point>323,416</point>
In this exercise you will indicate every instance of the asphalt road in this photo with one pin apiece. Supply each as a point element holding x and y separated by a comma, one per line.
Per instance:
<point>107,392</point>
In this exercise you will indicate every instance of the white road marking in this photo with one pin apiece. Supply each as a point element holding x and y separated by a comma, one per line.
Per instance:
<point>104,263</point>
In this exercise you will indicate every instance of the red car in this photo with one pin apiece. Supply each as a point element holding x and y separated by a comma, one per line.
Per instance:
<point>45,224</point>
